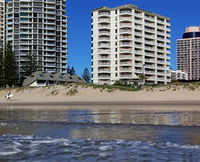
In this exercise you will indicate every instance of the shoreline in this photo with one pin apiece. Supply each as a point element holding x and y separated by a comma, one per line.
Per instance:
<point>107,105</point>
<point>80,97</point>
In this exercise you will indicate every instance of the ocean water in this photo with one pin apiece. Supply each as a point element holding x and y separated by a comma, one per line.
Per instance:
<point>98,135</point>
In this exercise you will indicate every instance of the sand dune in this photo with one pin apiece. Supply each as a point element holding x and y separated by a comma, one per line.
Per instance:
<point>75,93</point>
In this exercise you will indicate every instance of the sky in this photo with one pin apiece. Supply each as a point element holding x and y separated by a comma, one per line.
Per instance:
<point>182,13</point>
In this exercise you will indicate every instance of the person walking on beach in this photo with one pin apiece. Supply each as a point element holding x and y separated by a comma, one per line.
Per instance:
<point>8,96</point>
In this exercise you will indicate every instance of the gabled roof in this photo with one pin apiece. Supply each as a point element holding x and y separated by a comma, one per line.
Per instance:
<point>56,77</point>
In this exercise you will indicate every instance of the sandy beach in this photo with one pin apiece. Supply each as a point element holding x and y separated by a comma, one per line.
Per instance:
<point>157,98</point>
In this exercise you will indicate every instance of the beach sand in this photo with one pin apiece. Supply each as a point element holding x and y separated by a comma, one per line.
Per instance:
<point>156,99</point>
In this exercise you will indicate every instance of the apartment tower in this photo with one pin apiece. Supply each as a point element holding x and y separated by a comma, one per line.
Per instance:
<point>188,53</point>
<point>38,27</point>
<point>2,21</point>
<point>127,42</point>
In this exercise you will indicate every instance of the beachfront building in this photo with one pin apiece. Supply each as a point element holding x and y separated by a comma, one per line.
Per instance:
<point>188,53</point>
<point>127,43</point>
<point>38,27</point>
<point>2,21</point>
<point>179,75</point>
<point>41,79</point>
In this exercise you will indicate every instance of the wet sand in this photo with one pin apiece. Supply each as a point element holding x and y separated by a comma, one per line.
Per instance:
<point>134,105</point>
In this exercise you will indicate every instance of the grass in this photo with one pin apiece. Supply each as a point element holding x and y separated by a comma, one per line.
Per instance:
<point>72,92</point>
<point>72,88</point>
<point>54,92</point>
<point>109,88</point>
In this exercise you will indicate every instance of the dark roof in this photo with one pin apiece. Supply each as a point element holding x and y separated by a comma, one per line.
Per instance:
<point>59,77</point>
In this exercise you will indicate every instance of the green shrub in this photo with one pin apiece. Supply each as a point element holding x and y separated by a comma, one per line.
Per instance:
<point>72,92</point>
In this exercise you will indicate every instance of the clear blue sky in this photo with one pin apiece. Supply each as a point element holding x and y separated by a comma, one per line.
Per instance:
<point>183,13</point>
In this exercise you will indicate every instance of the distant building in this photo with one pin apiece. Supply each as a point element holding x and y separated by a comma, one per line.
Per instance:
<point>2,21</point>
<point>127,42</point>
<point>179,75</point>
<point>39,79</point>
<point>188,53</point>
<point>38,27</point>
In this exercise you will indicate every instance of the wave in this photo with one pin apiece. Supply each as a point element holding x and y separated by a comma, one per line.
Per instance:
<point>21,147</point>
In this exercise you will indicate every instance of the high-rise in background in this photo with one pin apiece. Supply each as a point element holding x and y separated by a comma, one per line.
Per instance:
<point>2,21</point>
<point>128,42</point>
<point>37,27</point>
<point>188,53</point>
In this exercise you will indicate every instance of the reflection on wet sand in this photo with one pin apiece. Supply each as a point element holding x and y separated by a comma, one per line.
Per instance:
<point>103,123</point>
<point>113,116</point>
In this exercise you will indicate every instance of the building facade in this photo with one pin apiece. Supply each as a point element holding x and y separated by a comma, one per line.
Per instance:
<point>188,53</point>
<point>2,21</point>
<point>128,42</point>
<point>179,75</point>
<point>38,27</point>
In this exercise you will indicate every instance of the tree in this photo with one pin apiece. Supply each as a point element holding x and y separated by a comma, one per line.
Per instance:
<point>10,67</point>
<point>86,75</point>
<point>31,64</point>
<point>71,71</point>
<point>142,77</point>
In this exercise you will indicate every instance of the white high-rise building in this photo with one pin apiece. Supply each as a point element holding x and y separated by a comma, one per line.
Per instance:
<point>128,41</point>
<point>38,27</point>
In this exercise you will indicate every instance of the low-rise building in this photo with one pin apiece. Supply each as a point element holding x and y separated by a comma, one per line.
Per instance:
<point>40,79</point>
<point>179,75</point>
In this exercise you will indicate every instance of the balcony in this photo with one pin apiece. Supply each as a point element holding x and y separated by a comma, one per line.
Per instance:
<point>104,45</point>
<point>161,73</point>
<point>125,12</point>
<point>104,57</point>
<point>104,32</point>
<point>149,60</point>
<point>104,13</point>
<point>150,18</point>
<point>104,64</point>
<point>160,27</point>
<point>138,45</point>
<point>150,66</point>
<point>125,38</point>
<point>139,58</point>
<point>126,31</point>
<point>125,56</point>
<point>126,50</point>
<point>104,51</point>
<point>149,24</point>
<point>126,63</point>
<point>139,71</point>
<point>104,20</point>
<point>126,18</point>
<point>125,69</point>
<point>103,76</point>
<point>122,44</point>
<point>149,54</point>
<point>150,42</point>
<point>125,24</point>
<point>138,33</point>
<point>149,72</point>
<point>104,39</point>
<point>138,14</point>
<point>104,70</point>
<point>126,75</point>
<point>150,48</point>
<point>104,26</point>
<point>161,61</point>
<point>161,21</point>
